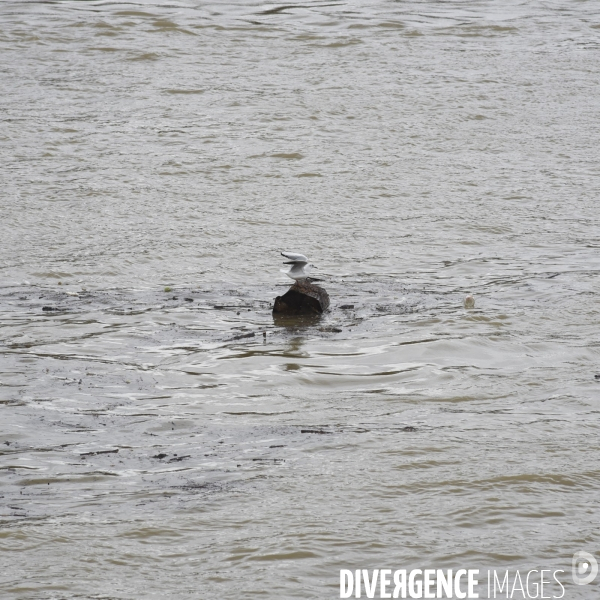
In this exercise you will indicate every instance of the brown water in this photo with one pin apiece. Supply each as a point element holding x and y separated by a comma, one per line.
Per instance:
<point>156,444</point>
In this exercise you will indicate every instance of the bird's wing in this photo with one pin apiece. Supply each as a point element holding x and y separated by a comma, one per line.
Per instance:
<point>297,268</point>
<point>296,271</point>
<point>295,258</point>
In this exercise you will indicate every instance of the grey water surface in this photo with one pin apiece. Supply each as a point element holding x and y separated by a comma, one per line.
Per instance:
<point>161,435</point>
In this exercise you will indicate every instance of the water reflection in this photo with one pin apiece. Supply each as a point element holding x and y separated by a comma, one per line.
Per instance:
<point>294,350</point>
<point>296,322</point>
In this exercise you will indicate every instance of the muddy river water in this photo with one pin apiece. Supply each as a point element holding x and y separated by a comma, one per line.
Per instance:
<point>161,435</point>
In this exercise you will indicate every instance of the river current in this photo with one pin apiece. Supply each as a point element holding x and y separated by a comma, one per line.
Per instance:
<point>161,434</point>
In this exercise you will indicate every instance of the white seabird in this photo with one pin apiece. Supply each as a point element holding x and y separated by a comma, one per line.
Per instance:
<point>299,267</point>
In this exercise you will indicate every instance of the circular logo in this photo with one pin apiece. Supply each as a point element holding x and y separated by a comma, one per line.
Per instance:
<point>585,568</point>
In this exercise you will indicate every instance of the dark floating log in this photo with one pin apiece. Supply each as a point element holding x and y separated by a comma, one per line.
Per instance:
<point>178,458</point>
<point>99,452</point>
<point>316,431</point>
<point>302,298</point>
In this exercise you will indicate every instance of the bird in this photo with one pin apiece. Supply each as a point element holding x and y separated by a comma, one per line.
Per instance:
<point>299,267</point>
<point>469,301</point>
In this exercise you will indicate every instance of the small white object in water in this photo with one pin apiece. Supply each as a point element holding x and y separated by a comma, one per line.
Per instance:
<point>469,301</point>
<point>299,268</point>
